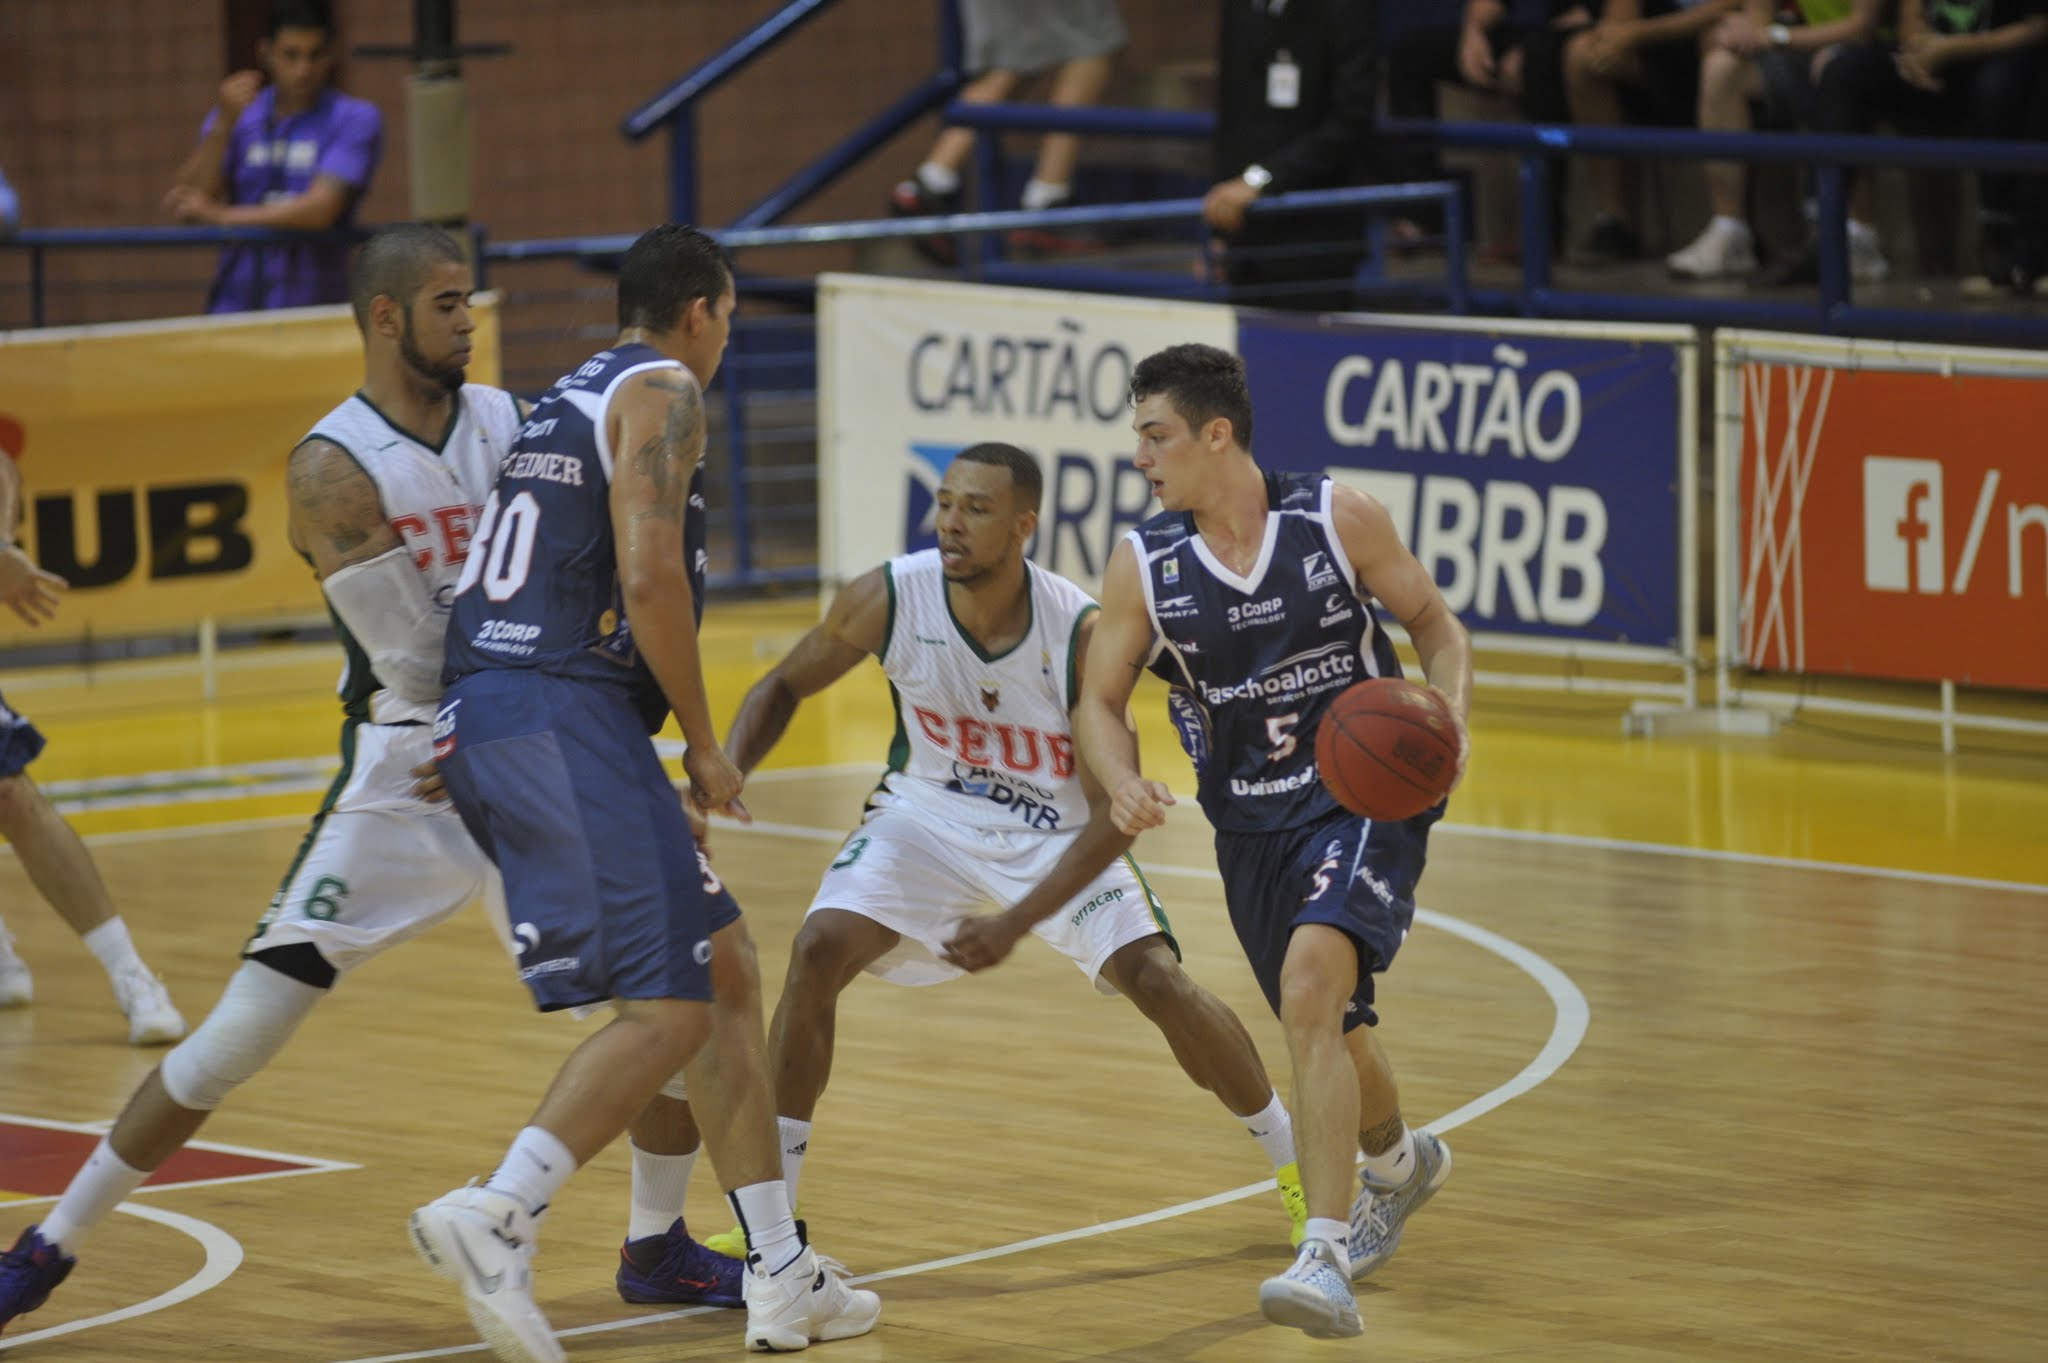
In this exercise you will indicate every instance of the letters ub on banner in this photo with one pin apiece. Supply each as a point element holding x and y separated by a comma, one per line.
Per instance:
<point>1540,473</point>
<point>1891,523</point>
<point>911,373</point>
<point>152,458</point>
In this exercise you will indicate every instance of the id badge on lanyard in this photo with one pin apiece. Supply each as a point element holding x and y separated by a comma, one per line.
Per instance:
<point>1283,82</point>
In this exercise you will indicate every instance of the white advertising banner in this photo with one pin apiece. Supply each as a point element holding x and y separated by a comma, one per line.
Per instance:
<point>912,372</point>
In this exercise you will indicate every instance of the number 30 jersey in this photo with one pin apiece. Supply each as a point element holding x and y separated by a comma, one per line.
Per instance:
<point>541,588</point>
<point>1255,661</point>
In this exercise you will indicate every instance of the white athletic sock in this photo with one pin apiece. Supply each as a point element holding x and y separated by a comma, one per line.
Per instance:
<point>111,943</point>
<point>1334,1233</point>
<point>660,1183</point>
<point>534,1170</point>
<point>104,1181</point>
<point>1040,194</point>
<point>937,178</point>
<point>1274,1131</point>
<point>763,1212</point>
<point>796,1142</point>
<point>1396,1164</point>
<point>1730,226</point>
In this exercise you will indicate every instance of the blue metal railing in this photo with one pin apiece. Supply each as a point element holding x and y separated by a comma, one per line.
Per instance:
<point>675,110</point>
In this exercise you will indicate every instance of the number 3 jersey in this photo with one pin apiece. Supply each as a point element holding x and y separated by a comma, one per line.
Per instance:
<point>541,590</point>
<point>983,742</point>
<point>430,495</point>
<point>1255,661</point>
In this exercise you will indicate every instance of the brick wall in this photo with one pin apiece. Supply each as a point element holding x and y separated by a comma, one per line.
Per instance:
<point>100,100</point>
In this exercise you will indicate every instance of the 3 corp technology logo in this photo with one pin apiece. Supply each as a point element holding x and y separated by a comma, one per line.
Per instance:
<point>924,468</point>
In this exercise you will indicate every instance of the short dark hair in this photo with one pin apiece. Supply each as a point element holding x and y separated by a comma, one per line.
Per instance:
<point>1024,473</point>
<point>395,262</point>
<point>1201,383</point>
<point>286,14</point>
<point>667,269</point>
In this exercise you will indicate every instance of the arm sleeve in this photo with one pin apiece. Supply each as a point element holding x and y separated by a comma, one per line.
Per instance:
<point>354,146</point>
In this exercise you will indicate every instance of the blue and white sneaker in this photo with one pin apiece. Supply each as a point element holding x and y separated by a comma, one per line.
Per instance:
<point>1383,1209</point>
<point>1312,1296</point>
<point>29,1273</point>
<point>673,1270</point>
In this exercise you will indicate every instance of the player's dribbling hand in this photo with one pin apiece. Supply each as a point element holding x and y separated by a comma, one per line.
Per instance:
<point>28,591</point>
<point>1139,804</point>
<point>715,781</point>
<point>979,943</point>
<point>1464,737</point>
<point>427,783</point>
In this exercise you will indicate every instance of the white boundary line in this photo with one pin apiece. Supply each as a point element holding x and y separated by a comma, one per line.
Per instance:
<point>307,1164</point>
<point>1568,1028</point>
<point>223,1257</point>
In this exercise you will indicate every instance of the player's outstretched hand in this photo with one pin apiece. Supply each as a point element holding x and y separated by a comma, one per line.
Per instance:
<point>1139,804</point>
<point>979,943</point>
<point>715,781</point>
<point>28,591</point>
<point>427,783</point>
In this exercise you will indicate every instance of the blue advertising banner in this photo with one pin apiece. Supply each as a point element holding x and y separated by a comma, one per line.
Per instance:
<point>1536,476</point>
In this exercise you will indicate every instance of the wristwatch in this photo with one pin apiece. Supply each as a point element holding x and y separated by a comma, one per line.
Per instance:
<point>1258,177</point>
<point>1778,34</point>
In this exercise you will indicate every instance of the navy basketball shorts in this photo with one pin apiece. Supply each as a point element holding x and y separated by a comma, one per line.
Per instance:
<point>20,741</point>
<point>606,891</point>
<point>1353,874</point>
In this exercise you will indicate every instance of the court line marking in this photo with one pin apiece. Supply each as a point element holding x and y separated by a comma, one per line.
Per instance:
<point>1572,1016</point>
<point>223,1257</point>
<point>670,748</point>
<point>308,1164</point>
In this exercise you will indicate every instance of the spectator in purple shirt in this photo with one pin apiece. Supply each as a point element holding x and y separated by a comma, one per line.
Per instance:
<point>294,154</point>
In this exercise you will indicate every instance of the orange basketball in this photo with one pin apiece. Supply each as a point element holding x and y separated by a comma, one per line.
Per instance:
<point>1387,748</point>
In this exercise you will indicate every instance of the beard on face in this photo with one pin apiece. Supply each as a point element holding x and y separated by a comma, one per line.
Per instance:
<point>447,375</point>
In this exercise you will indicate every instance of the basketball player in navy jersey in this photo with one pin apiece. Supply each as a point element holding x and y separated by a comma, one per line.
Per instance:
<point>1250,593</point>
<point>572,637</point>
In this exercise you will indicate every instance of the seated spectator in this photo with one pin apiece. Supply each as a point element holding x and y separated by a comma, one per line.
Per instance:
<point>1295,90</point>
<point>2031,213</point>
<point>1508,47</point>
<point>1640,64</point>
<point>1006,42</point>
<point>1959,66</point>
<point>294,154</point>
<point>1751,55</point>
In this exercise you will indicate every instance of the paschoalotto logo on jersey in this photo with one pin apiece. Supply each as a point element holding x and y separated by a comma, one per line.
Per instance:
<point>1329,668</point>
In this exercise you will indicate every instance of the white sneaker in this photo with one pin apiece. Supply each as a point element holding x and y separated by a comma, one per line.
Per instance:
<point>16,987</point>
<point>1312,1296</point>
<point>808,1302</point>
<point>1725,250</point>
<point>152,1018</point>
<point>1867,264</point>
<point>483,1239</point>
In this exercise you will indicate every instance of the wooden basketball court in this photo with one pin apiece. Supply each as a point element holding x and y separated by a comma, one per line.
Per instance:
<point>1739,1046</point>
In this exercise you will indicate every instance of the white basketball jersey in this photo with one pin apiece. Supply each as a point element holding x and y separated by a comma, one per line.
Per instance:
<point>432,497</point>
<point>982,743</point>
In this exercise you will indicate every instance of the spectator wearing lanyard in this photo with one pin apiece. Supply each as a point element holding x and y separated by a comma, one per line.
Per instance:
<point>296,154</point>
<point>1295,91</point>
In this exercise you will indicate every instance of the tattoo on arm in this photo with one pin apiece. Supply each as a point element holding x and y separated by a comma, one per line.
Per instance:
<point>669,460</point>
<point>1381,1138</point>
<point>335,504</point>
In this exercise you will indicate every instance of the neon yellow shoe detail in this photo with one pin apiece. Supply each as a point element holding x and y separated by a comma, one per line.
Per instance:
<point>1288,1176</point>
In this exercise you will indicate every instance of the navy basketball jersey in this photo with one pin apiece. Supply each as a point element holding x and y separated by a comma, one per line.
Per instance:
<point>541,588</point>
<point>1254,661</point>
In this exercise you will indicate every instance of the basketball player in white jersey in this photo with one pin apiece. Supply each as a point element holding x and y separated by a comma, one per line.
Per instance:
<point>983,804</point>
<point>383,494</point>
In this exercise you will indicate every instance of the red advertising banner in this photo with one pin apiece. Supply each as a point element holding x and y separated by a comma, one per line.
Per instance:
<point>1894,524</point>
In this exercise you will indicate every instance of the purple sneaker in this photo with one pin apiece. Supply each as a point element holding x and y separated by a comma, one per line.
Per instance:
<point>32,1269</point>
<point>669,1269</point>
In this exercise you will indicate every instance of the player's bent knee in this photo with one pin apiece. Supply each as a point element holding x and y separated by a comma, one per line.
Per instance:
<point>1148,974</point>
<point>256,1016</point>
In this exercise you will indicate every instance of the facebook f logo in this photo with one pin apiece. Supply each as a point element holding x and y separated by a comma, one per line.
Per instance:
<point>1902,526</point>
